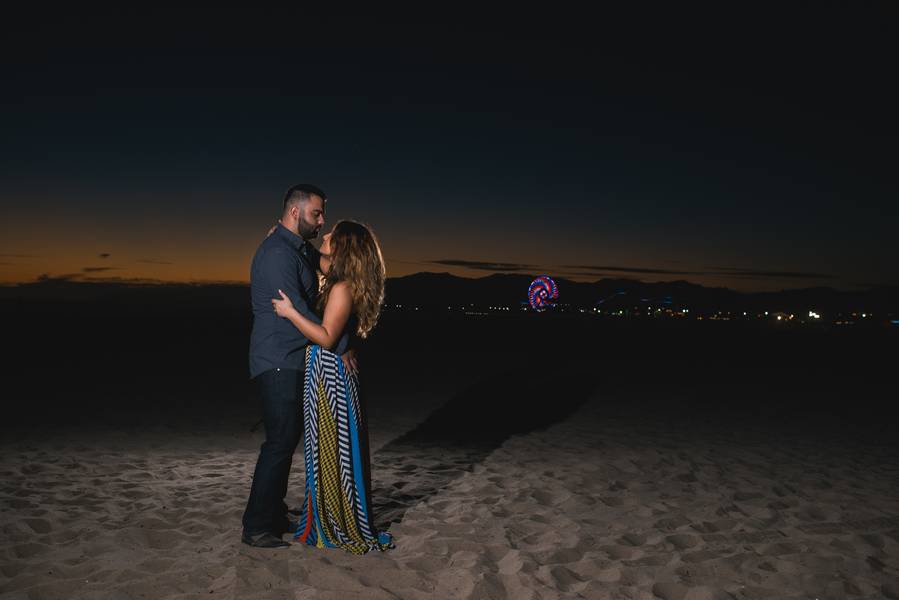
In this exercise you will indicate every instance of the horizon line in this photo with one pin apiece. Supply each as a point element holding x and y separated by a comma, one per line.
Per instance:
<point>47,280</point>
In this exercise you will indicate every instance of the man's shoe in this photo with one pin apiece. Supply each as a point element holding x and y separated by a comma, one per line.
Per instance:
<point>263,540</point>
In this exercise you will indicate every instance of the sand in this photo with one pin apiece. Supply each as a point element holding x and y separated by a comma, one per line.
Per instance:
<point>613,501</point>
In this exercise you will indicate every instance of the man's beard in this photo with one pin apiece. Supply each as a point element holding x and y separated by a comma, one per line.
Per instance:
<point>307,230</point>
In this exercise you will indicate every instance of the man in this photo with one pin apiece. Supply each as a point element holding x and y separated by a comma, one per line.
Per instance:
<point>287,261</point>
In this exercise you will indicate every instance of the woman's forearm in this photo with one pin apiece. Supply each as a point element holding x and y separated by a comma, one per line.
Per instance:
<point>312,330</point>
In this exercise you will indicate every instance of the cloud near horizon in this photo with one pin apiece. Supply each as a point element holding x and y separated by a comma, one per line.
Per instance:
<point>756,274</point>
<point>133,280</point>
<point>640,270</point>
<point>47,278</point>
<point>151,261</point>
<point>483,265</point>
<point>82,279</point>
<point>712,271</point>
<point>82,276</point>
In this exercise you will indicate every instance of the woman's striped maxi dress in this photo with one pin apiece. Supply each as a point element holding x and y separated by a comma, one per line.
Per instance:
<point>337,508</point>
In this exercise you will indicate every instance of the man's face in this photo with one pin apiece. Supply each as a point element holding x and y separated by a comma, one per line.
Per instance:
<point>312,217</point>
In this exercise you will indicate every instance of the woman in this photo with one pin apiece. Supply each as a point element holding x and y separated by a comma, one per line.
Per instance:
<point>337,508</point>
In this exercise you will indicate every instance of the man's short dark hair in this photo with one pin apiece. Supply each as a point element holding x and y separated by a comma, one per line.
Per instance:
<point>301,193</point>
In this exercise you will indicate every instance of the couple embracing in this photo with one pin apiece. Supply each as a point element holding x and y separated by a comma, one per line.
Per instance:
<point>302,354</point>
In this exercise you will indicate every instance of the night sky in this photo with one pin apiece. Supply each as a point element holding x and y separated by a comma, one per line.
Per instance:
<point>753,150</point>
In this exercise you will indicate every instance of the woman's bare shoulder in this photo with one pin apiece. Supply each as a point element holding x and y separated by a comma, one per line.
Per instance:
<point>341,292</point>
<point>341,287</point>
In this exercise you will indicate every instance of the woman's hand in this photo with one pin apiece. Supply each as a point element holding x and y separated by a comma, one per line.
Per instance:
<point>283,307</point>
<point>272,230</point>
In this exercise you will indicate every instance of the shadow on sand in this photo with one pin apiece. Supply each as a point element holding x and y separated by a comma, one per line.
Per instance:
<point>471,425</point>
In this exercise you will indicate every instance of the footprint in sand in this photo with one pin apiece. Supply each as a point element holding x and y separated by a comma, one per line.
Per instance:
<point>683,541</point>
<point>567,555</point>
<point>671,523</point>
<point>12,569</point>
<point>873,540</point>
<point>612,501</point>
<point>619,552</point>
<point>890,590</point>
<point>817,513</point>
<point>744,495</point>
<point>714,526</point>
<point>550,498</point>
<point>566,579</point>
<point>39,525</point>
<point>780,549</point>
<point>632,539</point>
<point>653,560</point>
<point>700,556</point>
<point>30,550</point>
<point>875,563</point>
<point>670,591</point>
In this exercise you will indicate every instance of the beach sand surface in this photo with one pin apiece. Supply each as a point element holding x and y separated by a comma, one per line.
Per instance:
<point>611,502</point>
<point>681,475</point>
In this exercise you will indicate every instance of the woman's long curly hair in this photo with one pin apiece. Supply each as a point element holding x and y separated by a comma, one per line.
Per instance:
<point>356,259</point>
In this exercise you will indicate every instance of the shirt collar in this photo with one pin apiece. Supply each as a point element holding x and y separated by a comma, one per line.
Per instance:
<point>293,239</point>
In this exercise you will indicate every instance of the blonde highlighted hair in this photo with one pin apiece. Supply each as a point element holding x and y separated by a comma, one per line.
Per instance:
<point>356,259</point>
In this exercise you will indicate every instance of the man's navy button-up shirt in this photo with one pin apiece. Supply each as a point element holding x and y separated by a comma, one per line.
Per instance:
<point>287,262</point>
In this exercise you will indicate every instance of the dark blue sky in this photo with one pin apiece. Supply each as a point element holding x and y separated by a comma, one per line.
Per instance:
<point>751,150</point>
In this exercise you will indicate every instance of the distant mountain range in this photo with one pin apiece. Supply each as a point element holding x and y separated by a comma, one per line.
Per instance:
<point>441,290</point>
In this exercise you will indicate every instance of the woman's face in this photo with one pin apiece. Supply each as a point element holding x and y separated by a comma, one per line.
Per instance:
<point>326,243</point>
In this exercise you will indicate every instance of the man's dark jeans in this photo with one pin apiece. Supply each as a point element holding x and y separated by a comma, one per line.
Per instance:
<point>282,393</point>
